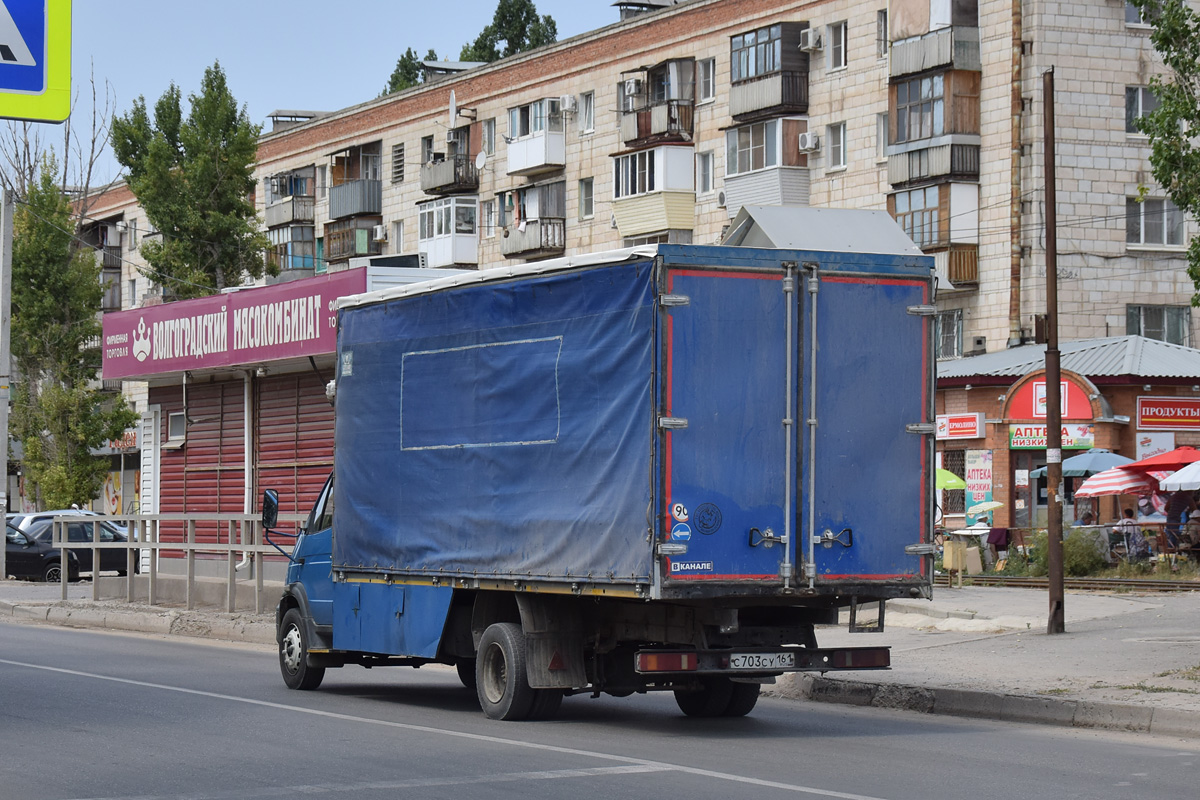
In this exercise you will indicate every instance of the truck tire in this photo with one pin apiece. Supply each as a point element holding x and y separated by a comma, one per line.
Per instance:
<point>293,653</point>
<point>501,683</point>
<point>745,697</point>
<point>466,672</point>
<point>710,700</point>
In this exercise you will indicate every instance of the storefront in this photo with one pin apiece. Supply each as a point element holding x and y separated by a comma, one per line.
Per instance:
<point>1129,395</point>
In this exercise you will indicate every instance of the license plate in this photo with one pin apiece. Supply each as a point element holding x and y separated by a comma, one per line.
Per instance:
<point>762,661</point>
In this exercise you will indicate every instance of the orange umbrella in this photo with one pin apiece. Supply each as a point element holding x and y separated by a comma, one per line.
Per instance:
<point>1176,459</point>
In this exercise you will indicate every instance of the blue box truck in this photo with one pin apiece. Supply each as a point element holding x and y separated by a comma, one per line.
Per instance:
<point>650,469</point>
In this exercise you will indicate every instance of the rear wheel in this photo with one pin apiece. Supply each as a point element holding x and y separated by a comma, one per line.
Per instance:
<point>710,700</point>
<point>503,688</point>
<point>743,700</point>
<point>293,653</point>
<point>52,573</point>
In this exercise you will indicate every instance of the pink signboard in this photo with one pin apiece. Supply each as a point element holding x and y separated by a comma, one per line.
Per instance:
<point>298,318</point>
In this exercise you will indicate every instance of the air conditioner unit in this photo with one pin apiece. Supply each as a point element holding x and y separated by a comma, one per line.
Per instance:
<point>379,233</point>
<point>810,40</point>
<point>809,142</point>
<point>567,102</point>
<point>122,226</point>
<point>633,86</point>
<point>721,199</point>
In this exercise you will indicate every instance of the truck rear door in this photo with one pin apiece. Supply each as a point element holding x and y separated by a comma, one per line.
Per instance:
<point>725,447</point>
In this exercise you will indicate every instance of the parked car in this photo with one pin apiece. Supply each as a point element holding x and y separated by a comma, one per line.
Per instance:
<point>23,521</point>
<point>31,555</point>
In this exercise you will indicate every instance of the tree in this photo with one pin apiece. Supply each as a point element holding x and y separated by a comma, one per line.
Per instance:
<point>56,293</point>
<point>515,25</point>
<point>407,73</point>
<point>194,177</point>
<point>1174,155</point>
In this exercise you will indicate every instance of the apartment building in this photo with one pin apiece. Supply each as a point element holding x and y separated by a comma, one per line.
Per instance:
<point>663,125</point>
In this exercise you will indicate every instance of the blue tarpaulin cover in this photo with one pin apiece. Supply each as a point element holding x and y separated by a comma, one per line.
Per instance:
<point>503,429</point>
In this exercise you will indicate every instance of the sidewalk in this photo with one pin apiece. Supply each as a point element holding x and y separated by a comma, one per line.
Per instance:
<point>1126,662</point>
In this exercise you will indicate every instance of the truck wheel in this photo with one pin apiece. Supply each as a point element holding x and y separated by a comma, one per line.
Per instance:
<point>710,700</point>
<point>501,683</point>
<point>466,672</point>
<point>293,653</point>
<point>745,697</point>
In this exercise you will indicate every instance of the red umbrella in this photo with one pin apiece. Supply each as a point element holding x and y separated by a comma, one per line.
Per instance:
<point>1177,459</point>
<point>1117,480</point>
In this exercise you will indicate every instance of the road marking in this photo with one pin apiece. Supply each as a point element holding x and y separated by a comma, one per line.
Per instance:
<point>478,737</point>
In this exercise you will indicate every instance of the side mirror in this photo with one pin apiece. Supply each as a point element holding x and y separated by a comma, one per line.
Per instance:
<point>270,508</point>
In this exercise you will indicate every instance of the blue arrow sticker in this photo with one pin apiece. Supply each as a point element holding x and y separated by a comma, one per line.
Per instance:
<point>681,532</point>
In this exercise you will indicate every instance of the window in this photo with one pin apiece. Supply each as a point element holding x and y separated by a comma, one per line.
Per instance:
<point>1164,323</point>
<point>706,80</point>
<point>448,216</point>
<point>398,236</point>
<point>835,135</point>
<point>704,172</point>
<point>534,118</point>
<point>487,136</point>
<point>426,149</point>
<point>948,334</point>
<point>881,33</point>
<point>756,53</point>
<point>133,236</point>
<point>488,214</point>
<point>920,108</point>
<point>838,33</point>
<point>586,199</point>
<point>881,136</point>
<point>633,174</point>
<point>917,213</point>
<point>1139,101</point>
<point>176,426</point>
<point>321,183</point>
<point>1153,222</point>
<point>1136,16</point>
<point>751,147</point>
<point>398,163</point>
<point>587,112</point>
<point>954,501</point>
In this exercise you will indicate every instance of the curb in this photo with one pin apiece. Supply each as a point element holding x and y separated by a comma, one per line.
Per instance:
<point>248,628</point>
<point>992,705</point>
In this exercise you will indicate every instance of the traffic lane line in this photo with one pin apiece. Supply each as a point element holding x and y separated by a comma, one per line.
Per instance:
<point>657,766</point>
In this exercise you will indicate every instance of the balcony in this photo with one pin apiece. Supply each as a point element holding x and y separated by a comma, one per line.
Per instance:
<point>345,240</point>
<point>930,158</point>
<point>669,120</point>
<point>355,198</point>
<point>454,174</point>
<point>109,257</point>
<point>545,151</point>
<point>955,47</point>
<point>290,209</point>
<point>773,186</point>
<point>541,237</point>
<point>960,264</point>
<point>784,92</point>
<point>657,211</point>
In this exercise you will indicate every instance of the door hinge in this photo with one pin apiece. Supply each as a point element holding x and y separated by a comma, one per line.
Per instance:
<point>672,300</point>
<point>922,311</point>
<point>672,423</point>
<point>922,428</point>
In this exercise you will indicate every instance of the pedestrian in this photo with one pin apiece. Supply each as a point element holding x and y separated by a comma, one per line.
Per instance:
<point>1136,548</point>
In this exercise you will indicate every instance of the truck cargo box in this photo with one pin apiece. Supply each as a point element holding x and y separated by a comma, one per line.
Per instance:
<point>668,421</point>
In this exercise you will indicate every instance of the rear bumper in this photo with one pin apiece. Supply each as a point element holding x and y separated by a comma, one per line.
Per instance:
<point>749,662</point>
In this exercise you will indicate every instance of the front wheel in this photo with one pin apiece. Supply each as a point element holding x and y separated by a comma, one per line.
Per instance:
<point>293,653</point>
<point>52,573</point>
<point>501,684</point>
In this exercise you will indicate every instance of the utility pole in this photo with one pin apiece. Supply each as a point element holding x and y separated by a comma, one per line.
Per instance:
<point>1054,478</point>
<point>6,235</point>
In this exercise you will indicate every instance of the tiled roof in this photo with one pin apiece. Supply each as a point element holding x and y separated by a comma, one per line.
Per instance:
<point>1110,356</point>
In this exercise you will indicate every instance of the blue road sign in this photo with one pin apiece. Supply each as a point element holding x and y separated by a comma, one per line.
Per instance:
<point>35,59</point>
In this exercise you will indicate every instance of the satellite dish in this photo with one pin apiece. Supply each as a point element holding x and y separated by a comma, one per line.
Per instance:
<point>453,109</point>
<point>480,160</point>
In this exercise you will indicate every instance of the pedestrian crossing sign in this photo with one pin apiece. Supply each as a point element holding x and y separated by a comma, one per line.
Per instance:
<point>35,60</point>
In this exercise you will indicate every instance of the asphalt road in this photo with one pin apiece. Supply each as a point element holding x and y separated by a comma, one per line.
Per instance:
<point>92,715</point>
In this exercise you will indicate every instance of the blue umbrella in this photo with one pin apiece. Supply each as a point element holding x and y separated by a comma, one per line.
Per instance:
<point>1088,463</point>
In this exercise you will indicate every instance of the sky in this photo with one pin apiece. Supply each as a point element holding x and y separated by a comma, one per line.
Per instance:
<point>277,54</point>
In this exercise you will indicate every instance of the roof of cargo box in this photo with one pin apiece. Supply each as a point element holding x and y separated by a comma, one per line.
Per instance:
<point>833,230</point>
<point>498,274</point>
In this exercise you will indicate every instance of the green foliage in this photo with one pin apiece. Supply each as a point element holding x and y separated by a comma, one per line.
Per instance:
<point>1174,154</point>
<point>516,28</point>
<point>407,73</point>
<point>56,294</point>
<point>194,177</point>
<point>1081,555</point>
